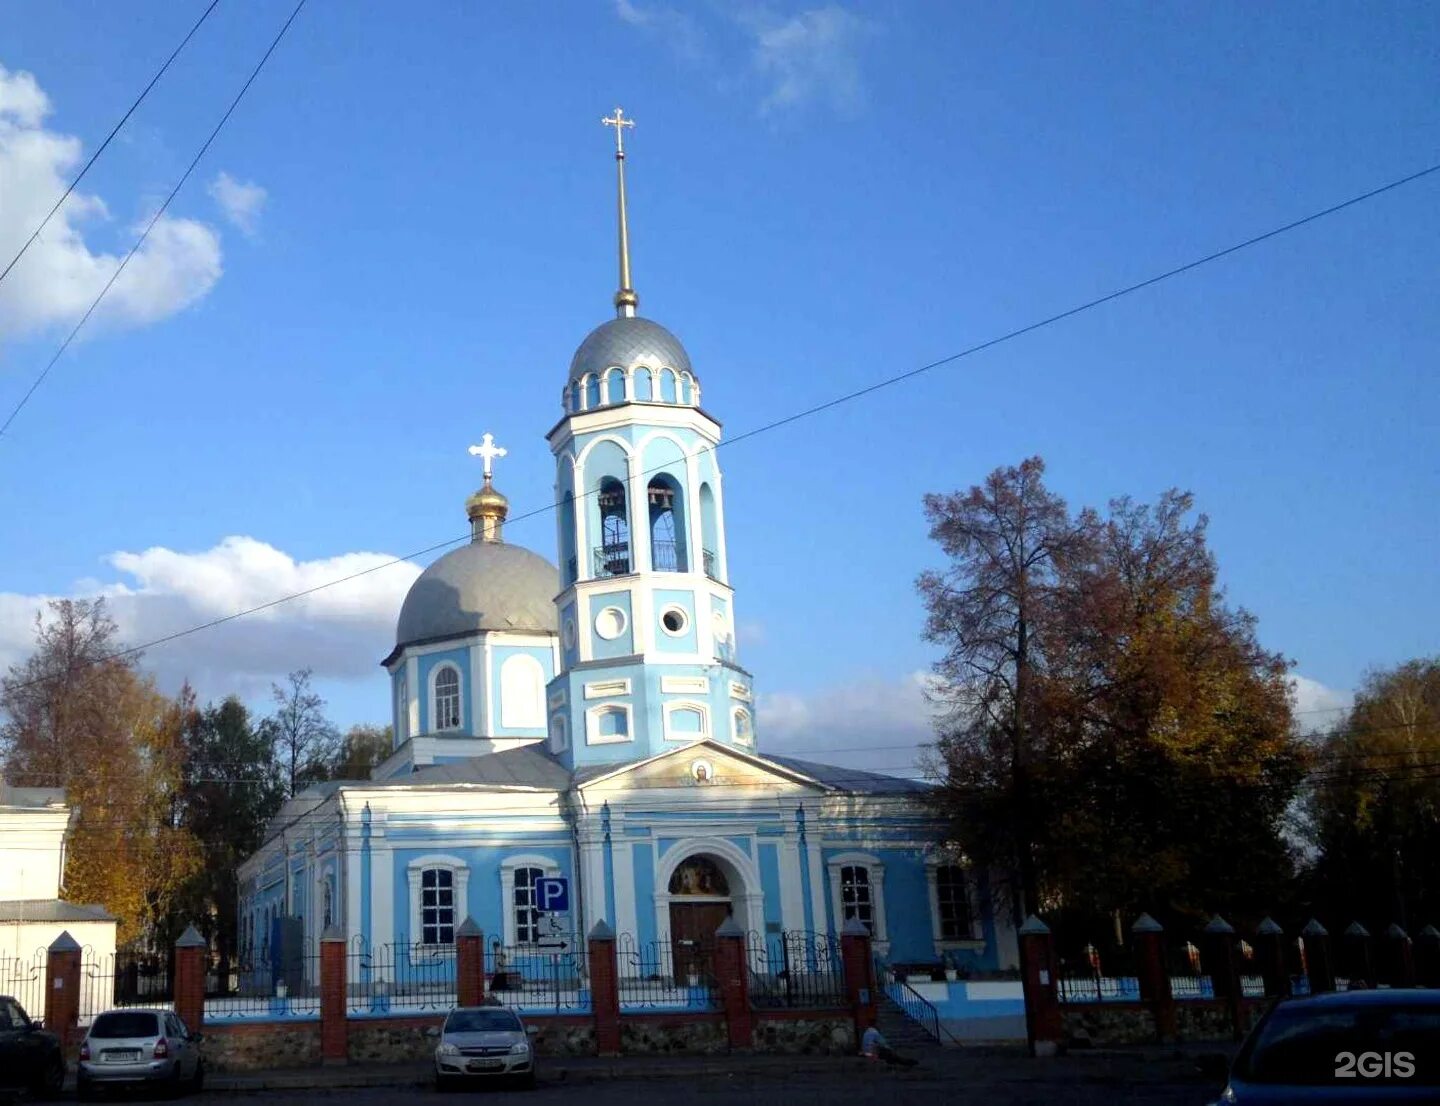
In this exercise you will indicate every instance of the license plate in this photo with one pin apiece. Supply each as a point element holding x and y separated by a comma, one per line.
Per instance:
<point>123,1055</point>
<point>485,1065</point>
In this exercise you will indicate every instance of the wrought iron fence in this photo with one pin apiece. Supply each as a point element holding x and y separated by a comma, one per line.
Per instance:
<point>265,982</point>
<point>670,974</point>
<point>795,968</point>
<point>1099,974</point>
<point>554,975</point>
<point>23,979</point>
<point>400,976</point>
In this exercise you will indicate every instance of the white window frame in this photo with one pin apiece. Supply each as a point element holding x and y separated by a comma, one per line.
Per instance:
<point>402,710</point>
<point>735,715</point>
<point>875,868</point>
<point>508,868</point>
<point>559,734</point>
<point>932,880</point>
<point>522,715</point>
<point>459,883</point>
<point>435,672</point>
<point>672,734</point>
<point>593,736</point>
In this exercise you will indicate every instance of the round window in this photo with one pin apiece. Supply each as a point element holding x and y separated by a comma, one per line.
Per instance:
<point>610,623</point>
<point>674,621</point>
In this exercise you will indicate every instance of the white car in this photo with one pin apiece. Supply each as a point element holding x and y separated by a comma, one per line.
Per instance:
<point>139,1046</point>
<point>483,1042</point>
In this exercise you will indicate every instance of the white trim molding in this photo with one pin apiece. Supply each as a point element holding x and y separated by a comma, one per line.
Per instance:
<point>459,882</point>
<point>975,938</point>
<point>522,692</point>
<point>875,873</point>
<point>600,689</point>
<point>685,685</point>
<point>743,874</point>
<point>593,736</point>
<point>736,713</point>
<point>433,683</point>
<point>508,867</point>
<point>672,734</point>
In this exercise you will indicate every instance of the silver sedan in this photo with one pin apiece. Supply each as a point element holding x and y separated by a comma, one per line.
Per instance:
<point>139,1046</point>
<point>483,1042</point>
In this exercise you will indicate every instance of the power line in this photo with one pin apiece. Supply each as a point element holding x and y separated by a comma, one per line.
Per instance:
<point>45,372</point>
<point>113,132</point>
<point>796,416</point>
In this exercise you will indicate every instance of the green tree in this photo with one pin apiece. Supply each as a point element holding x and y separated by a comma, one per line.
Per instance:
<point>363,747</point>
<point>306,743</point>
<point>1375,802</point>
<point>80,716</point>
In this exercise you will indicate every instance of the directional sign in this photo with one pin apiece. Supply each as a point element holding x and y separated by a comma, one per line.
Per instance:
<point>553,925</point>
<point>552,893</point>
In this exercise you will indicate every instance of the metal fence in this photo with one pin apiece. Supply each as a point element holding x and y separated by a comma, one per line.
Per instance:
<point>265,983</point>
<point>663,974</point>
<point>539,977</point>
<point>795,969</point>
<point>23,979</point>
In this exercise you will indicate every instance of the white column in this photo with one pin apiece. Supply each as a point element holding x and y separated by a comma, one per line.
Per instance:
<point>412,691</point>
<point>792,902</point>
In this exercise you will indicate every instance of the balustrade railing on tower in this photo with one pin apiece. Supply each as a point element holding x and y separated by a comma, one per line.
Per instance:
<point>612,559</point>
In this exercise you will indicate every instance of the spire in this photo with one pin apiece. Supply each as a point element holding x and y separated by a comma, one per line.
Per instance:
<point>626,301</point>
<point>487,508</point>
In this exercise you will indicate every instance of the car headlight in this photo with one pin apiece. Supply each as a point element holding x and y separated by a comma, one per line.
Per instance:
<point>447,1049</point>
<point>519,1048</point>
<point>1227,1096</point>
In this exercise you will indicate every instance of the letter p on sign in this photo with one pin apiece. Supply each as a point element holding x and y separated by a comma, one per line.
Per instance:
<point>552,893</point>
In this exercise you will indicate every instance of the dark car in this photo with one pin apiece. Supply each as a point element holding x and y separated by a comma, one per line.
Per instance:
<point>29,1056</point>
<point>1350,1046</point>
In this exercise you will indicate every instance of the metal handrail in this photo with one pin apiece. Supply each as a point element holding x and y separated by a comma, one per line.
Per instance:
<point>913,1005</point>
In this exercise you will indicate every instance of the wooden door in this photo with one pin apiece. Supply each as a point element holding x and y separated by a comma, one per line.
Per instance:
<point>692,936</point>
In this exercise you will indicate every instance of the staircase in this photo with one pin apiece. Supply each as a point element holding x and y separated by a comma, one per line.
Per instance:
<point>904,1033</point>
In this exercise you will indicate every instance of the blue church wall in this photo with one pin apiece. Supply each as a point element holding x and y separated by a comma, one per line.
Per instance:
<point>569,654</point>
<point>666,642</point>
<point>643,860</point>
<point>770,883</point>
<point>460,658</point>
<point>624,644</point>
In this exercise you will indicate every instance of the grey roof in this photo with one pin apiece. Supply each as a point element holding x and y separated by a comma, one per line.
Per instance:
<point>485,585</point>
<point>51,910</point>
<point>849,779</point>
<point>526,766</point>
<point>629,343</point>
<point>31,796</point>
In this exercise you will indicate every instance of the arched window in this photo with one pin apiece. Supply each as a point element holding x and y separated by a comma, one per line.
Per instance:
<point>686,721</point>
<point>667,525</point>
<point>615,386</point>
<point>608,725</point>
<point>744,735</point>
<point>575,397</point>
<point>447,698</point>
<point>667,385</point>
<point>522,692</point>
<point>437,906</point>
<point>953,918</point>
<point>527,916</point>
<point>328,905</point>
<point>687,389</point>
<point>644,386</point>
<point>559,739</point>
<point>613,556</point>
<point>699,875</point>
<point>567,537</point>
<point>592,392</point>
<point>402,710</point>
<point>855,897</point>
<point>709,533</point>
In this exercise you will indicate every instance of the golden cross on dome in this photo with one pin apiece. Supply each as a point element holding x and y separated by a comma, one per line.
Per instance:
<point>619,122</point>
<point>626,301</point>
<point>487,451</point>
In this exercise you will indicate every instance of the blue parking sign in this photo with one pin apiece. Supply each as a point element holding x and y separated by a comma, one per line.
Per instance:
<point>552,893</point>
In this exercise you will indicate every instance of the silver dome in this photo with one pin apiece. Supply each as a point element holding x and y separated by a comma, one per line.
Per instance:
<point>629,343</point>
<point>485,585</point>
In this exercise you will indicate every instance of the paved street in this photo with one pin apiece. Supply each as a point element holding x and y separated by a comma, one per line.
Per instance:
<point>950,1078</point>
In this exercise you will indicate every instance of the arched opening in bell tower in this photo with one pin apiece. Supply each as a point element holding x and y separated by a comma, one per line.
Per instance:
<point>613,556</point>
<point>667,525</point>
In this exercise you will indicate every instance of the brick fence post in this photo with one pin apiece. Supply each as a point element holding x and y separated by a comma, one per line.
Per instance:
<point>1039,979</point>
<point>1358,960</point>
<point>859,968</point>
<point>1427,957</point>
<point>334,1030</point>
<point>733,979</point>
<point>604,988</point>
<point>1318,968</point>
<point>1219,939</point>
<point>1270,952</point>
<point>1149,938</point>
<point>190,954</point>
<point>1399,957</point>
<point>62,989</point>
<point>469,964</point>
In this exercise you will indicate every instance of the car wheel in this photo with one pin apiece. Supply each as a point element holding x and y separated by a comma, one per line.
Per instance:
<point>51,1080</point>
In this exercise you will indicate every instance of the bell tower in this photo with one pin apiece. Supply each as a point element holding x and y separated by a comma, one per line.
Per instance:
<point>646,611</point>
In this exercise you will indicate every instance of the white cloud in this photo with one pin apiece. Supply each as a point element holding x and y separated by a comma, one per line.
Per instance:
<point>812,56</point>
<point>240,201</point>
<point>1318,707</point>
<point>875,722</point>
<point>60,275</point>
<point>679,31</point>
<point>341,632</point>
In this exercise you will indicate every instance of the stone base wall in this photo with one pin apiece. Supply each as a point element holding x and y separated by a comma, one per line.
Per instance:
<point>256,1046</point>
<point>692,1033</point>
<point>1131,1023</point>
<point>812,1035</point>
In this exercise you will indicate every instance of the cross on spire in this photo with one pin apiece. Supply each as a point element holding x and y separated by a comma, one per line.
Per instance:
<point>626,301</point>
<point>487,451</point>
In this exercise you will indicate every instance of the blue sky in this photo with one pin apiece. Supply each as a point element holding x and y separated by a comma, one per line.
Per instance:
<point>414,230</point>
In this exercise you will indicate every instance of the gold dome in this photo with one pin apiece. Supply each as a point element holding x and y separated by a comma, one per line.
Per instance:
<point>487,509</point>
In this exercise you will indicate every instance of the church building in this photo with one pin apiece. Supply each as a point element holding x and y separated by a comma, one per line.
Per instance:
<point>591,720</point>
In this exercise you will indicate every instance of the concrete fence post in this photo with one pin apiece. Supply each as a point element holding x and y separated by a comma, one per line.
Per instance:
<point>1427,957</point>
<point>191,953</point>
<point>62,989</point>
<point>604,989</point>
<point>1318,966</point>
<point>1359,958</point>
<point>1154,975</point>
<point>1270,954</point>
<point>334,1029</point>
<point>469,964</point>
<point>859,968</point>
<point>733,980</point>
<point>1399,957</point>
<point>1219,941</point>
<point>1039,979</point>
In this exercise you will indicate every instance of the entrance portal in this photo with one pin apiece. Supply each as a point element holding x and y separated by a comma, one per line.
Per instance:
<point>699,903</point>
